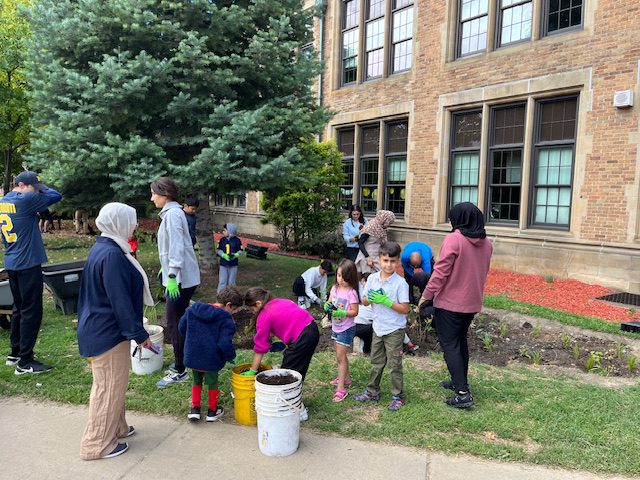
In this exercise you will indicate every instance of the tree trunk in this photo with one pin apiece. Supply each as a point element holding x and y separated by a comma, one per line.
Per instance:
<point>8,156</point>
<point>81,221</point>
<point>204,232</point>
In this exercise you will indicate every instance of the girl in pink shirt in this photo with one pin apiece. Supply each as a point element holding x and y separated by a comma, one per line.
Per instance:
<point>456,287</point>
<point>284,319</point>
<point>343,308</point>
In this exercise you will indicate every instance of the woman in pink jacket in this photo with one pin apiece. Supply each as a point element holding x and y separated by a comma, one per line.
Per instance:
<point>456,287</point>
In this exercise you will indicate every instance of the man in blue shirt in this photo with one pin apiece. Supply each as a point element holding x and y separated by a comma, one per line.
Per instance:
<point>23,256</point>
<point>417,263</point>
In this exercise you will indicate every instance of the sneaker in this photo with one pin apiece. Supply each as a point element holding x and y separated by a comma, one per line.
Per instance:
<point>173,377</point>
<point>460,400</point>
<point>172,368</point>
<point>447,385</point>
<point>366,396</point>
<point>32,367</point>
<point>396,404</point>
<point>302,302</point>
<point>194,414</point>
<point>12,360</point>
<point>213,415</point>
<point>411,348</point>
<point>119,450</point>
<point>304,414</point>
<point>131,431</point>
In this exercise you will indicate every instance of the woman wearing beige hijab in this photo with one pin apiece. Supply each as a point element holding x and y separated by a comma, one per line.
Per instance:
<point>113,290</point>
<point>372,236</point>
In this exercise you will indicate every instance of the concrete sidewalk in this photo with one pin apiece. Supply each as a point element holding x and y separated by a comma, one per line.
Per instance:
<point>41,441</point>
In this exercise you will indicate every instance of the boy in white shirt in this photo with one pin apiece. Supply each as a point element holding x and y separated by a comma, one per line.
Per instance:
<point>388,293</point>
<point>313,278</point>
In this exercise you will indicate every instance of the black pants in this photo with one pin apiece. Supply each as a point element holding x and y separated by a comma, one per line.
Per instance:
<point>365,332</point>
<point>420,280</point>
<point>297,356</point>
<point>174,311</point>
<point>452,328</point>
<point>299,287</point>
<point>352,253</point>
<point>26,287</point>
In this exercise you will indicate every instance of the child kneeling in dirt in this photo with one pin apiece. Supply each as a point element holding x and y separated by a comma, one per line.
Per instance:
<point>388,293</point>
<point>208,331</point>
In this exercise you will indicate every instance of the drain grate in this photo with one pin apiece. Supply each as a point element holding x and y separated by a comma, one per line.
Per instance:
<point>624,298</point>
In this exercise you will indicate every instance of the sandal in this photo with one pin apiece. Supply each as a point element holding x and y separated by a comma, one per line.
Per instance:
<point>339,395</point>
<point>347,382</point>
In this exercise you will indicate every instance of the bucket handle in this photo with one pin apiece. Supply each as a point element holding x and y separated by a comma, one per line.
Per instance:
<point>280,397</point>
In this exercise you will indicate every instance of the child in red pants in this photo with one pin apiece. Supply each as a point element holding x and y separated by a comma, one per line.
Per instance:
<point>208,331</point>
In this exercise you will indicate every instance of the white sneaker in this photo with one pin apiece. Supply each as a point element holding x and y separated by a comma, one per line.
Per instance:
<point>172,377</point>
<point>302,303</point>
<point>304,414</point>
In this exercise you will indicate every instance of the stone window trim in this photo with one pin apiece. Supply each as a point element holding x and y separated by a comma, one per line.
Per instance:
<point>493,18</point>
<point>531,146</point>
<point>338,79</point>
<point>382,123</point>
<point>230,201</point>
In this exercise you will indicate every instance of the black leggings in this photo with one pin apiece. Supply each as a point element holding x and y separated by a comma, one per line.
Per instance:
<point>174,311</point>
<point>452,328</point>
<point>297,356</point>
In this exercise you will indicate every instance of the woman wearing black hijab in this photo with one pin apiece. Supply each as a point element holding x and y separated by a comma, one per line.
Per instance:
<point>456,287</point>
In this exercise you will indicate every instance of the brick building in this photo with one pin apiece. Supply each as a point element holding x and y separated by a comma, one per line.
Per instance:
<point>505,103</point>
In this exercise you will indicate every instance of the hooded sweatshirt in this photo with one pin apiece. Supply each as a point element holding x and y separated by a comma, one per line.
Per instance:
<point>458,278</point>
<point>175,249</point>
<point>229,245</point>
<point>208,333</point>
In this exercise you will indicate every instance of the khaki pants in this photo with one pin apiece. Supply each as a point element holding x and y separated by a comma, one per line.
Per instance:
<point>387,349</point>
<point>106,421</point>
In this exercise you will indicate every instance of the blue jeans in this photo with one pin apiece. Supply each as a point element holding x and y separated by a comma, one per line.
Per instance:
<point>227,276</point>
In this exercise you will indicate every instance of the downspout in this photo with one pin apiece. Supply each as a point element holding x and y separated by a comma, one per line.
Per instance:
<point>321,6</point>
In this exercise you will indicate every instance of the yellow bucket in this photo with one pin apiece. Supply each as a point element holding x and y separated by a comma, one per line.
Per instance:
<point>244,394</point>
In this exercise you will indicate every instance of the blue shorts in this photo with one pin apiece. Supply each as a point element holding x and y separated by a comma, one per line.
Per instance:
<point>344,338</point>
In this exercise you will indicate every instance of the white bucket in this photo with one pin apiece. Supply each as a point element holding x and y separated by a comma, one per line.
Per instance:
<point>145,361</point>
<point>278,408</point>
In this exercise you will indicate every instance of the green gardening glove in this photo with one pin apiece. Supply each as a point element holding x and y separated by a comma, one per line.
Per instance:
<point>172,291</point>
<point>328,306</point>
<point>236,255</point>
<point>339,313</point>
<point>225,256</point>
<point>380,298</point>
<point>249,373</point>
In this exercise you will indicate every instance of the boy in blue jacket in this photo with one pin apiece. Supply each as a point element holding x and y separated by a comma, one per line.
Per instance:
<point>208,331</point>
<point>229,250</point>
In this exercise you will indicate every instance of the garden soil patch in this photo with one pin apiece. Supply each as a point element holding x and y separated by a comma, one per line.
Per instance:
<point>284,379</point>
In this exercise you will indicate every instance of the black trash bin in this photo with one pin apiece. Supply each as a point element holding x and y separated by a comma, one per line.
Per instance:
<point>63,280</point>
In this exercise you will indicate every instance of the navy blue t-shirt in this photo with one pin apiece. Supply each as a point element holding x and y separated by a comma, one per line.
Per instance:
<point>19,225</point>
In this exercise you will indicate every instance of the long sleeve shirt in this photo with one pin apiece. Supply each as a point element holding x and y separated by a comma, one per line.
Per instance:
<point>351,229</point>
<point>458,278</point>
<point>175,249</point>
<point>280,317</point>
<point>313,279</point>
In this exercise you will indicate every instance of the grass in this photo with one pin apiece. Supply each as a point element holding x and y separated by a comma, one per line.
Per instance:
<point>522,414</point>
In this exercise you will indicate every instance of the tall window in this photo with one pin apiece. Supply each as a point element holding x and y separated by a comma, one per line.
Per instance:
<point>396,167</point>
<point>465,157</point>
<point>505,164</point>
<point>402,35</point>
<point>346,140</point>
<point>562,14</point>
<point>350,43</point>
<point>369,168</point>
<point>515,21</point>
<point>473,15</point>
<point>374,43</point>
<point>553,164</point>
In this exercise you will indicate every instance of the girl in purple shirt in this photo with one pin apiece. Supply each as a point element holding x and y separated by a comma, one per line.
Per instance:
<point>284,319</point>
<point>343,307</point>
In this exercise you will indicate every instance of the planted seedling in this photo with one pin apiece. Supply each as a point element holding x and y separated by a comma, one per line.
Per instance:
<point>488,342</point>
<point>576,351</point>
<point>524,352</point>
<point>536,357</point>
<point>566,342</point>
<point>619,350</point>
<point>631,363</point>
<point>548,278</point>
<point>503,330</point>
<point>593,362</point>
<point>535,332</point>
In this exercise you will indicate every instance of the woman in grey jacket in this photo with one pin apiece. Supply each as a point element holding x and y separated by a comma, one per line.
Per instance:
<point>180,271</point>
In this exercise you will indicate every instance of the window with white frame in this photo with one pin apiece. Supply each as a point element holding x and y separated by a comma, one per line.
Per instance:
<point>551,162</point>
<point>402,35</point>
<point>350,40</point>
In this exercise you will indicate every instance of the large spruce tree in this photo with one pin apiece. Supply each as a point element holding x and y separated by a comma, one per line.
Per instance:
<point>212,93</point>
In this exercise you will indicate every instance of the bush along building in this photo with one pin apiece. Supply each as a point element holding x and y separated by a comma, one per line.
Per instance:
<point>523,107</point>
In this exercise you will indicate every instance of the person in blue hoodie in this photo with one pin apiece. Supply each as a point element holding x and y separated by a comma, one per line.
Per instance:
<point>208,331</point>
<point>229,250</point>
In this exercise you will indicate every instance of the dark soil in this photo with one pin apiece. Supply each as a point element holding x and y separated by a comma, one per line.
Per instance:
<point>284,379</point>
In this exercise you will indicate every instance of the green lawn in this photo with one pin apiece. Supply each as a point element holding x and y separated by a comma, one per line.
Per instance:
<point>522,413</point>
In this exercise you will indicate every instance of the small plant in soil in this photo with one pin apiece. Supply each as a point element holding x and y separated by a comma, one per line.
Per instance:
<point>631,363</point>
<point>566,342</point>
<point>536,357</point>
<point>524,352</point>
<point>593,362</point>
<point>619,350</point>
<point>535,332</point>
<point>487,341</point>
<point>548,278</point>
<point>576,351</point>
<point>503,330</point>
